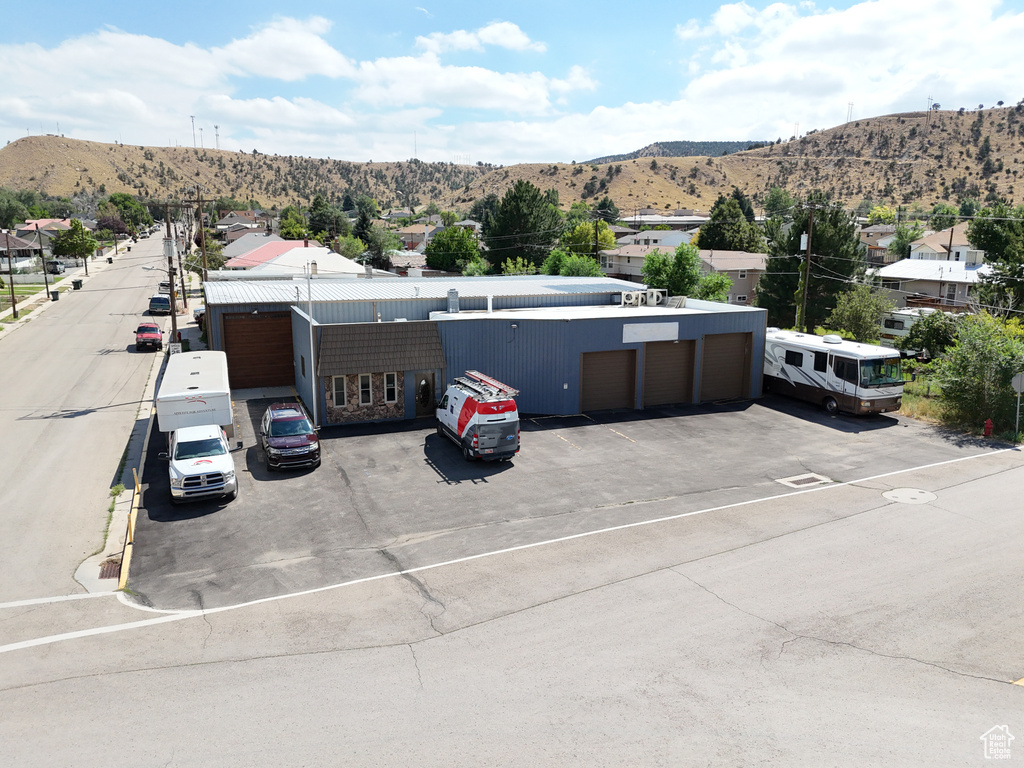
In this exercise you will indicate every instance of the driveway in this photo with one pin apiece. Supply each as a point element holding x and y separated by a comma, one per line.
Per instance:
<point>396,496</point>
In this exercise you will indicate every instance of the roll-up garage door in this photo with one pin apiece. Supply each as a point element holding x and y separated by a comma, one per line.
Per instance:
<point>608,380</point>
<point>259,350</point>
<point>725,366</point>
<point>668,372</point>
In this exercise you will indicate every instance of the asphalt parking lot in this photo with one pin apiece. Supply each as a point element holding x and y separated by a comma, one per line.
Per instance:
<point>396,496</point>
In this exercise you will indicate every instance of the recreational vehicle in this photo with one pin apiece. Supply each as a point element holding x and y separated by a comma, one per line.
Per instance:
<point>839,375</point>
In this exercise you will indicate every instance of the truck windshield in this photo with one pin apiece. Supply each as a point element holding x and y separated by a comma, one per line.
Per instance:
<point>196,449</point>
<point>881,373</point>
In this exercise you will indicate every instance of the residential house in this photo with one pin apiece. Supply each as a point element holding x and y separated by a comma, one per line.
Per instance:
<point>931,282</point>
<point>249,242</point>
<point>947,245</point>
<point>680,220</point>
<point>627,261</point>
<point>417,235</point>
<point>744,269</point>
<point>876,239</point>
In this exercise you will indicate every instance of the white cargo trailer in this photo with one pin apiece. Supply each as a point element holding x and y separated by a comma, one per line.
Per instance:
<point>195,392</point>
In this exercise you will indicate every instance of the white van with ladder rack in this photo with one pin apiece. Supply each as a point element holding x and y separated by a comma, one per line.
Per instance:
<point>839,375</point>
<point>479,415</point>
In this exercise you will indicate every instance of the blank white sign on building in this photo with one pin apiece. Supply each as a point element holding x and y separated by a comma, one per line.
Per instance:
<point>636,332</point>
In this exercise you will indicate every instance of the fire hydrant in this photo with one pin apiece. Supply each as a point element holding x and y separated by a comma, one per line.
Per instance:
<point>988,427</point>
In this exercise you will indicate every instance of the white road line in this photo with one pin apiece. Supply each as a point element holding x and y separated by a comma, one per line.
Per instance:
<point>58,599</point>
<point>169,616</point>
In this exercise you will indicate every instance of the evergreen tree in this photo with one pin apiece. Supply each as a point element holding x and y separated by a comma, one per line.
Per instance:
<point>727,229</point>
<point>524,227</point>
<point>607,209</point>
<point>837,260</point>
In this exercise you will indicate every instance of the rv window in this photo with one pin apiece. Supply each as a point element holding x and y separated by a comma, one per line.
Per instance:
<point>821,361</point>
<point>794,358</point>
<point>894,324</point>
<point>845,368</point>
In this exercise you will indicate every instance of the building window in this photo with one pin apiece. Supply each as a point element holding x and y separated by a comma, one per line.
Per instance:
<point>741,299</point>
<point>794,358</point>
<point>390,387</point>
<point>338,384</point>
<point>742,275</point>
<point>365,389</point>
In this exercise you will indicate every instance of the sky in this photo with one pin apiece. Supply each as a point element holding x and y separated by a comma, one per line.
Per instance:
<point>470,82</point>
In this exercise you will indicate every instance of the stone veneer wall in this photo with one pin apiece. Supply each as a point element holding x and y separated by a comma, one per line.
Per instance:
<point>355,412</point>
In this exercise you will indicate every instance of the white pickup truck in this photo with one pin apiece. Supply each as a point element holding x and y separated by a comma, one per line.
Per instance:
<point>201,465</point>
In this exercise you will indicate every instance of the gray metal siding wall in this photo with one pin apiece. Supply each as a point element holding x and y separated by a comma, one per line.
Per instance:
<point>541,358</point>
<point>300,346</point>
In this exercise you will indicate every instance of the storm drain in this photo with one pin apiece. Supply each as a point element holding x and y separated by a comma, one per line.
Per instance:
<point>803,481</point>
<point>111,569</point>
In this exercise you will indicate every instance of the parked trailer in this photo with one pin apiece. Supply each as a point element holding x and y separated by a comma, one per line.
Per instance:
<point>839,375</point>
<point>195,392</point>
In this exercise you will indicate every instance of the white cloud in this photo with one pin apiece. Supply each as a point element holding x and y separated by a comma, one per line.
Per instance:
<point>285,49</point>
<point>502,34</point>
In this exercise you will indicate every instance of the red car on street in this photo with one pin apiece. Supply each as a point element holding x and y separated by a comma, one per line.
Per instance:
<point>149,336</point>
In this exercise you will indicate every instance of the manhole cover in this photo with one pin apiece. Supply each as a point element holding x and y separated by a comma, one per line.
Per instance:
<point>909,496</point>
<point>802,481</point>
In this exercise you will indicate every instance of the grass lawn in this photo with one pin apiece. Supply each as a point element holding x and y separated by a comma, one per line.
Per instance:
<point>921,400</point>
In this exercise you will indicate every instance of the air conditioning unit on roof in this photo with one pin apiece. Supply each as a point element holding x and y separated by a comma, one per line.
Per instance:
<point>656,296</point>
<point>630,298</point>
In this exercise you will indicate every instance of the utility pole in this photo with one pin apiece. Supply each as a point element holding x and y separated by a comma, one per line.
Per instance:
<point>169,252</point>
<point>42,259</point>
<point>216,135</point>
<point>10,272</point>
<point>193,131</point>
<point>202,229</point>
<point>805,289</point>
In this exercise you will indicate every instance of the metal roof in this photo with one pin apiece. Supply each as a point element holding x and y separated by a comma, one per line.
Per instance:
<point>404,288</point>
<point>929,269</point>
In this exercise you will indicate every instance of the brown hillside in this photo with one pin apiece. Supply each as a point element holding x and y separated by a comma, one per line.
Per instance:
<point>914,159</point>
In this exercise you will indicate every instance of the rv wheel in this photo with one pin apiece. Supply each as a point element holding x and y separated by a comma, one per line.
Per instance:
<point>831,406</point>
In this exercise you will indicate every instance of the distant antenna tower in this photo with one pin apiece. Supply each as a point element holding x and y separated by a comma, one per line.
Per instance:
<point>193,131</point>
<point>216,135</point>
<point>201,139</point>
<point>849,112</point>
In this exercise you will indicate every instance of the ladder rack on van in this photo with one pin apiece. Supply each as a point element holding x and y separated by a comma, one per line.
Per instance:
<point>484,386</point>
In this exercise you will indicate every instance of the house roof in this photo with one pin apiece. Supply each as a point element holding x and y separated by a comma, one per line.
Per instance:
<point>939,241</point>
<point>939,271</point>
<point>367,347</point>
<point>294,261</point>
<point>12,242</point>
<point>249,242</point>
<point>263,254</point>
<point>233,292</point>
<point>417,229</point>
<point>639,251</point>
<point>726,261</point>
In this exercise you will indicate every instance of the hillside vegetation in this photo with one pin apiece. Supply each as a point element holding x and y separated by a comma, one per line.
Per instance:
<point>914,159</point>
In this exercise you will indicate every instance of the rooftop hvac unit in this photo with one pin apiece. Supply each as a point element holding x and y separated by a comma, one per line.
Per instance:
<point>630,298</point>
<point>656,296</point>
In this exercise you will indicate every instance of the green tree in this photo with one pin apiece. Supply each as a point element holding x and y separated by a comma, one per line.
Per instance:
<point>778,203</point>
<point>450,249</point>
<point>999,232</point>
<point>975,374</point>
<point>214,253</point>
<point>553,263</point>
<point>607,210</point>
<point>579,213</point>
<point>932,334</point>
<point>324,217</point>
<point>944,216</point>
<point>351,247</point>
<point>579,265</point>
<point>477,267</point>
<point>906,234</point>
<point>727,229</point>
<point>518,266</point>
<point>581,240</point>
<point>76,243</point>
<point>681,274</point>
<point>859,312</point>
<point>12,210</point>
<point>882,214</point>
<point>484,210</point>
<point>380,242</point>
<point>448,218</point>
<point>366,204</point>
<point>746,207</point>
<point>293,224</point>
<point>132,212</point>
<point>524,227</point>
<point>837,260</point>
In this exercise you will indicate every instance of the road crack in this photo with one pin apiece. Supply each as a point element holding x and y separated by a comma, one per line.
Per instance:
<point>796,636</point>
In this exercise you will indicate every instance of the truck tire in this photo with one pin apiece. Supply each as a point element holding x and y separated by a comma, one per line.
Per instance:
<point>467,454</point>
<point>831,406</point>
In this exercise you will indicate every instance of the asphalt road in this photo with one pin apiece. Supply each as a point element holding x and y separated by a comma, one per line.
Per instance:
<point>71,383</point>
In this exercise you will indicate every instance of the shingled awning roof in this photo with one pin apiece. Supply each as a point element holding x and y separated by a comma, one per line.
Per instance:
<point>375,347</point>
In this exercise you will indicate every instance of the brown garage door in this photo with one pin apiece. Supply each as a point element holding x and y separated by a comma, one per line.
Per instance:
<point>607,380</point>
<point>725,366</point>
<point>668,372</point>
<point>259,350</point>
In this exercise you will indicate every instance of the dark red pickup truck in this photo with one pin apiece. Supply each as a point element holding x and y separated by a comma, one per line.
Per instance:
<point>149,335</point>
